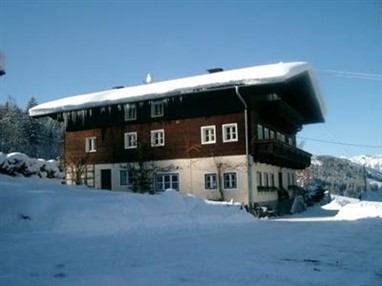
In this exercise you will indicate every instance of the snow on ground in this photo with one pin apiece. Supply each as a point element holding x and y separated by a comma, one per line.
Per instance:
<point>51,234</point>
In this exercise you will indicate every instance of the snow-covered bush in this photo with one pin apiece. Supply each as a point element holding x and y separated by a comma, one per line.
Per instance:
<point>15,164</point>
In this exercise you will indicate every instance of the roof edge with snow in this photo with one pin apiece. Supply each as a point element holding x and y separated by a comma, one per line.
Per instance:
<point>256,75</point>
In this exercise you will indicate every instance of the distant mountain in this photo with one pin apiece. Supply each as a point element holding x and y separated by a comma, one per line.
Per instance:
<point>344,176</point>
<point>374,162</point>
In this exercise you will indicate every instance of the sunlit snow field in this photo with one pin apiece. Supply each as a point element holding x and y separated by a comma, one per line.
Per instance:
<point>52,234</point>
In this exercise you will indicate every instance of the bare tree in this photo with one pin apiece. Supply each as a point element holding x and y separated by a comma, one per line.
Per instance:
<point>76,169</point>
<point>142,171</point>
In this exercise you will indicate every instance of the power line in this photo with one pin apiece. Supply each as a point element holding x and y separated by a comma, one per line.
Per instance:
<point>357,75</point>
<point>340,143</point>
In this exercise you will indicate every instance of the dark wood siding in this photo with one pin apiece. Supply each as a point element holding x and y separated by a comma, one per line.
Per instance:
<point>203,104</point>
<point>182,140</point>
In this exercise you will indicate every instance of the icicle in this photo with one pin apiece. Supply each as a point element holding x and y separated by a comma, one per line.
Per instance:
<point>109,108</point>
<point>90,112</point>
<point>73,116</point>
<point>65,117</point>
<point>119,107</point>
<point>103,109</point>
<point>81,115</point>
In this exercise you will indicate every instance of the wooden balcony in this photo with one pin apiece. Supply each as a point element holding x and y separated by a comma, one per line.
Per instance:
<point>277,153</point>
<point>281,114</point>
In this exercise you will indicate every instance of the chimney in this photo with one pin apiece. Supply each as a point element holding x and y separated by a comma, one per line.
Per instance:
<point>215,70</point>
<point>2,67</point>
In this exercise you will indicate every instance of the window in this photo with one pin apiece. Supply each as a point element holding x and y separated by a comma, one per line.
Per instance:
<point>167,181</point>
<point>259,179</point>
<point>208,134</point>
<point>130,111</point>
<point>230,132</point>
<point>291,179</point>
<point>230,180</point>
<point>91,144</point>
<point>157,108</point>
<point>131,140</point>
<point>260,135</point>
<point>157,138</point>
<point>210,181</point>
<point>272,180</point>
<point>281,137</point>
<point>266,180</point>
<point>124,177</point>
<point>266,133</point>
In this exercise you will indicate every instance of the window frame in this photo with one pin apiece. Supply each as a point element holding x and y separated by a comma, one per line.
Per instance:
<point>126,177</point>
<point>204,135</point>
<point>163,181</point>
<point>271,134</point>
<point>154,105</point>
<point>213,184</point>
<point>130,107</point>
<point>126,140</point>
<point>272,178</point>
<point>161,142</point>
<point>232,183</point>
<point>259,177</point>
<point>229,129</point>
<point>260,132</point>
<point>266,179</point>
<point>266,133</point>
<point>91,144</point>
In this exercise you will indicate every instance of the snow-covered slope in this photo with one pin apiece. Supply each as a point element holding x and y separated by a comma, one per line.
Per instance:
<point>374,161</point>
<point>52,234</point>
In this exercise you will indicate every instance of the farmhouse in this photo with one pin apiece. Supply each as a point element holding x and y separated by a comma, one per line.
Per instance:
<point>224,135</point>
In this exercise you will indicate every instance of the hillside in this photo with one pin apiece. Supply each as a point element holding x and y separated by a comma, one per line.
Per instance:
<point>373,162</point>
<point>53,234</point>
<point>343,176</point>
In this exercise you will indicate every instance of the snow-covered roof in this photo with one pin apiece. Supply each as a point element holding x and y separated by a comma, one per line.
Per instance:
<point>256,75</point>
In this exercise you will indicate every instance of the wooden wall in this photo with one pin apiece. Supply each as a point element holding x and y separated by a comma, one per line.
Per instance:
<point>182,140</point>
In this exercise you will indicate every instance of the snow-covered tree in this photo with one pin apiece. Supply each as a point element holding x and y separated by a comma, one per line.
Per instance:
<point>41,138</point>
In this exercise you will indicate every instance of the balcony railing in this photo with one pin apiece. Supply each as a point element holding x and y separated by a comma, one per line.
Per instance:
<point>277,153</point>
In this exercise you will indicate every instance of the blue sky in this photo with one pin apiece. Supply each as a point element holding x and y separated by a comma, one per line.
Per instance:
<point>55,49</point>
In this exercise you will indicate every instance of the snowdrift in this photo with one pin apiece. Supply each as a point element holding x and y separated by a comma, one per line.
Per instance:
<point>353,209</point>
<point>45,205</point>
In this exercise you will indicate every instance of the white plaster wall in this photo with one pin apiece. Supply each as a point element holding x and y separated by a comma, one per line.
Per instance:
<point>261,197</point>
<point>191,177</point>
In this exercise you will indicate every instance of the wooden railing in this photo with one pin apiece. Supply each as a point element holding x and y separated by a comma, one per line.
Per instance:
<point>277,153</point>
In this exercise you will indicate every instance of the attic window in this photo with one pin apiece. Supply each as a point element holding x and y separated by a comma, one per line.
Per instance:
<point>157,108</point>
<point>130,110</point>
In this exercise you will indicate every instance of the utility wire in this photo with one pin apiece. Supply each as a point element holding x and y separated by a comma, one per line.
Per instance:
<point>340,143</point>
<point>357,75</point>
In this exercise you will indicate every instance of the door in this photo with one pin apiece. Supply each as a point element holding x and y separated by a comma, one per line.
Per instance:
<point>106,179</point>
